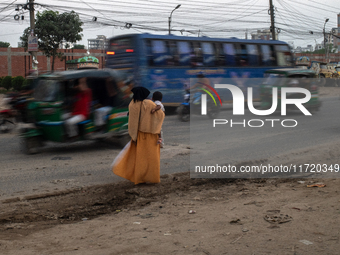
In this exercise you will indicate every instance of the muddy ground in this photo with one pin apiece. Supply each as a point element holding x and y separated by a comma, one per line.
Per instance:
<point>184,216</point>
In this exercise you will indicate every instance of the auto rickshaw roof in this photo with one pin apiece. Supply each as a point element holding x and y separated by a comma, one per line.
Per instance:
<point>88,73</point>
<point>292,71</point>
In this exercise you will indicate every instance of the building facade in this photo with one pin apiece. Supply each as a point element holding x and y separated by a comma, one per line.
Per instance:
<point>100,43</point>
<point>263,35</point>
<point>18,62</point>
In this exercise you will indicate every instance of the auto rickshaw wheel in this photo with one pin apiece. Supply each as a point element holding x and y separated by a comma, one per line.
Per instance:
<point>6,126</point>
<point>31,145</point>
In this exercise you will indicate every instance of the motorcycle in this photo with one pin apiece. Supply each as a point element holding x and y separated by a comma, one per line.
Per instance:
<point>14,112</point>
<point>185,109</point>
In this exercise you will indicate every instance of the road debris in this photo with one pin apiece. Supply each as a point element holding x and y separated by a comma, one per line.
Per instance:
<point>306,242</point>
<point>319,185</point>
<point>274,216</point>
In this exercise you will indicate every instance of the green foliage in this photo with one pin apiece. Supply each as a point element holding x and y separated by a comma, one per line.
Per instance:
<point>17,83</point>
<point>27,84</point>
<point>79,46</point>
<point>6,82</point>
<point>52,29</point>
<point>4,44</point>
<point>24,38</point>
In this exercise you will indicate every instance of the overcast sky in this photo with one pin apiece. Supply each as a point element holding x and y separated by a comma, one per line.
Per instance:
<point>229,18</point>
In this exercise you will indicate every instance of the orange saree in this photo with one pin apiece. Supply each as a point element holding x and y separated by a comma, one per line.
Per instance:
<point>139,161</point>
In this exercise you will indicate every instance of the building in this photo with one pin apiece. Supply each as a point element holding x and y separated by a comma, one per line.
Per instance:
<point>65,45</point>
<point>21,45</point>
<point>337,39</point>
<point>318,46</point>
<point>100,43</point>
<point>300,49</point>
<point>262,35</point>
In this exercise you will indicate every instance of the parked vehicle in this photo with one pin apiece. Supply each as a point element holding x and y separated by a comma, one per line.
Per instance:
<point>13,111</point>
<point>337,68</point>
<point>292,77</point>
<point>52,97</point>
<point>326,73</point>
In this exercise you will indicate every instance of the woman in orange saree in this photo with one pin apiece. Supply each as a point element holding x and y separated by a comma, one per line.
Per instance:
<point>139,161</point>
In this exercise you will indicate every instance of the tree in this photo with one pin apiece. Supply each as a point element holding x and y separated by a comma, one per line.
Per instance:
<point>17,82</point>
<point>4,44</point>
<point>79,46</point>
<point>52,29</point>
<point>6,82</point>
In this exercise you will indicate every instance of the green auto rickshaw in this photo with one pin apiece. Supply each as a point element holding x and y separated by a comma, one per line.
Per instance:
<point>290,77</point>
<point>54,95</point>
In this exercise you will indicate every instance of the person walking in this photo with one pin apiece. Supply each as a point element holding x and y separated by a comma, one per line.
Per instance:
<point>139,161</point>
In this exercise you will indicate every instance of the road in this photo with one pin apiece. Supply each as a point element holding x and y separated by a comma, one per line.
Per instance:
<point>66,166</point>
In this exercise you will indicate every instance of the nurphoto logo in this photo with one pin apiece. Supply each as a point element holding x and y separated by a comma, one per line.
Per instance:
<point>239,100</point>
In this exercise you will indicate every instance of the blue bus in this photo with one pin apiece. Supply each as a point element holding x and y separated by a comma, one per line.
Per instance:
<point>167,63</point>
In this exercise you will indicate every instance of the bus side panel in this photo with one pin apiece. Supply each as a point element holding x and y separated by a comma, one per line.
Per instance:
<point>173,82</point>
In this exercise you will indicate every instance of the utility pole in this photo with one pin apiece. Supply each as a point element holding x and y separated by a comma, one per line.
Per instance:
<point>272,22</point>
<point>324,38</point>
<point>32,25</point>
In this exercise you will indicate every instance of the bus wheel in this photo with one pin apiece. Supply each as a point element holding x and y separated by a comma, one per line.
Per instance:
<point>31,145</point>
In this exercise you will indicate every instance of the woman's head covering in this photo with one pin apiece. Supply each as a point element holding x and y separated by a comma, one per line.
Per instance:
<point>140,93</point>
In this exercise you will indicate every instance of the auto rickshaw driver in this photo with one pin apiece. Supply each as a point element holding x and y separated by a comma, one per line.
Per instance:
<point>81,107</point>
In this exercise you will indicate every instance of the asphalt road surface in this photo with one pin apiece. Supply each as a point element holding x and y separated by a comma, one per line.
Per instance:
<point>68,166</point>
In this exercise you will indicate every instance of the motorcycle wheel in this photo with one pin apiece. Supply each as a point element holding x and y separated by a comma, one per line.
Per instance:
<point>184,113</point>
<point>6,126</point>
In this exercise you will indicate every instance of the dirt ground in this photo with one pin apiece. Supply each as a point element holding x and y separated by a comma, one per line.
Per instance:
<point>184,216</point>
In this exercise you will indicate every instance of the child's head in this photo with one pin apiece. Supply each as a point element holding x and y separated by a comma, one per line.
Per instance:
<point>157,96</point>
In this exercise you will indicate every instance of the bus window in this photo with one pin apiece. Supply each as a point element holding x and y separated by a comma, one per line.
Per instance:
<point>120,45</point>
<point>149,55</point>
<point>242,55</point>
<point>283,55</point>
<point>253,55</point>
<point>219,55</point>
<point>230,55</point>
<point>184,53</point>
<point>196,56</point>
<point>159,53</point>
<point>208,54</point>
<point>268,55</point>
<point>173,58</point>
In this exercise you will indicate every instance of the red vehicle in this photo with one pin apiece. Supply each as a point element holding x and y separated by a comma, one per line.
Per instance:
<point>14,111</point>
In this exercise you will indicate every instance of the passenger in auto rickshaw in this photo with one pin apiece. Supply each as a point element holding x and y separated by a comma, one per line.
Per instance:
<point>81,107</point>
<point>106,100</point>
